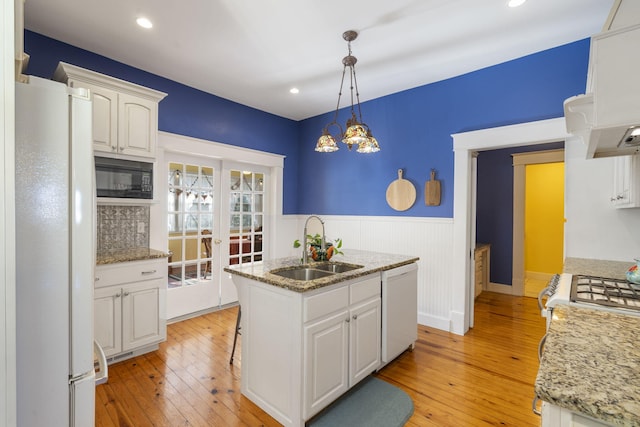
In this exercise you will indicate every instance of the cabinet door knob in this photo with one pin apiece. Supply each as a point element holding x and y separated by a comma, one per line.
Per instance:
<point>117,295</point>
<point>121,148</point>
<point>126,294</point>
<point>348,320</point>
<point>355,317</point>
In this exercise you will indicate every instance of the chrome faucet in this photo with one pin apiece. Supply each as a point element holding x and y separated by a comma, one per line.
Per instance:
<point>305,255</point>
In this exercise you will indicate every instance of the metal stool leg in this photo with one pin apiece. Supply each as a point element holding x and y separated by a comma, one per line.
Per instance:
<point>235,337</point>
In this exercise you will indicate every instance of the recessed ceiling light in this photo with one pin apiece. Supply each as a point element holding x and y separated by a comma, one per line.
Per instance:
<point>515,3</point>
<point>144,22</point>
<point>294,90</point>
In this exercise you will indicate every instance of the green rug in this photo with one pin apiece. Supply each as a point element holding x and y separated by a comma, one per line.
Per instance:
<point>372,403</point>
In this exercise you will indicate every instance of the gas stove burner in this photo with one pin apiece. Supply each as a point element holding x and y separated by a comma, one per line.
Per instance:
<point>605,291</point>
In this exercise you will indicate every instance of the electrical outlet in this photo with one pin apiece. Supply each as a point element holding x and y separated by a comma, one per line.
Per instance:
<point>141,227</point>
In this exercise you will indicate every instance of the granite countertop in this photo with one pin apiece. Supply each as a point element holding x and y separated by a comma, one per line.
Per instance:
<point>371,262</point>
<point>591,364</point>
<point>125,255</point>
<point>597,267</point>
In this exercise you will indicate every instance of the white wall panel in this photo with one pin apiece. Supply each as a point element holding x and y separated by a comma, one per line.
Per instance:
<point>288,229</point>
<point>430,239</point>
<point>594,228</point>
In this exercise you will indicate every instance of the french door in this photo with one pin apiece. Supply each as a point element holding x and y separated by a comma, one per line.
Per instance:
<point>215,218</point>
<point>192,221</point>
<point>243,220</point>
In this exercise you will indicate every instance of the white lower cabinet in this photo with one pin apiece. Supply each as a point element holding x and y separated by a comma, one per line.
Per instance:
<point>129,307</point>
<point>301,351</point>
<point>341,341</point>
<point>555,416</point>
<point>107,312</point>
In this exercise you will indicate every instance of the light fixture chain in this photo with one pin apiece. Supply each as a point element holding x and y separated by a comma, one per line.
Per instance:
<point>355,81</point>
<point>335,116</point>
<point>351,59</point>
<point>351,88</point>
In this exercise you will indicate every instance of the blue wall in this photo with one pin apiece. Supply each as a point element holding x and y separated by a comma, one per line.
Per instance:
<point>185,110</point>
<point>413,127</point>
<point>494,207</point>
<point>414,130</point>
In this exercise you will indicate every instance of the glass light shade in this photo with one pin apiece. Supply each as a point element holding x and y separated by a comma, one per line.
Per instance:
<point>369,146</point>
<point>355,135</point>
<point>326,144</point>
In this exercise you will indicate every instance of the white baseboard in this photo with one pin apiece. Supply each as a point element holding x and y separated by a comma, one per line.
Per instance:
<point>433,321</point>
<point>200,313</point>
<point>536,275</point>
<point>500,288</point>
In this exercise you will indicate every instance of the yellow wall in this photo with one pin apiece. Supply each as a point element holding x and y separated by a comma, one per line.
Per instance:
<point>544,218</point>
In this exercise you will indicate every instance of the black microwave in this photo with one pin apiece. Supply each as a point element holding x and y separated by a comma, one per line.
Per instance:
<point>120,178</point>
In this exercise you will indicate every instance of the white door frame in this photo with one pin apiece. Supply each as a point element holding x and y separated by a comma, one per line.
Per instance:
<point>464,144</point>
<point>7,216</point>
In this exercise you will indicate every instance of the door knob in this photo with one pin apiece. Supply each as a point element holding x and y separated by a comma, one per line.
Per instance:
<point>217,241</point>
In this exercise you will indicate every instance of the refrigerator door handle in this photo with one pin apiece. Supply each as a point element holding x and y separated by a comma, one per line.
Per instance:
<point>102,363</point>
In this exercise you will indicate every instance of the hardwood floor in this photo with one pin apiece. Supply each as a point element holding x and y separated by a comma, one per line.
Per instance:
<point>484,378</point>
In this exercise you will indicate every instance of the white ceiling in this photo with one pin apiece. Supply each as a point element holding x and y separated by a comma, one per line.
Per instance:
<point>254,51</point>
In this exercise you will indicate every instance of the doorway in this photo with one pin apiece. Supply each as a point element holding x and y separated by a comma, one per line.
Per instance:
<point>228,221</point>
<point>210,202</point>
<point>464,144</point>
<point>544,225</point>
<point>538,219</point>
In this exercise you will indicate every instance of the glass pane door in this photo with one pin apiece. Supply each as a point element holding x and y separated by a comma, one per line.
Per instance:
<point>193,274</point>
<point>244,221</point>
<point>246,215</point>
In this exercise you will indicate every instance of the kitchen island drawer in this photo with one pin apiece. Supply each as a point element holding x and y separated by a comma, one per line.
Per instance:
<point>326,302</point>
<point>127,272</point>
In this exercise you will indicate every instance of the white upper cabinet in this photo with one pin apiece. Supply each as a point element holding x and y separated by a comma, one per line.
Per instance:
<point>626,182</point>
<point>607,116</point>
<point>125,115</point>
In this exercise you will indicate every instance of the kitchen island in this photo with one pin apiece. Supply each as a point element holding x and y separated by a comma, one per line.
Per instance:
<point>307,342</point>
<point>591,366</point>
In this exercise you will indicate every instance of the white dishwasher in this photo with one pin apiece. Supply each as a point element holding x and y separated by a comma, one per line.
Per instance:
<point>399,311</point>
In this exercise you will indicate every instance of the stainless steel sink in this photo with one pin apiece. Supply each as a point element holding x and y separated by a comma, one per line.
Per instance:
<point>336,267</point>
<point>302,273</point>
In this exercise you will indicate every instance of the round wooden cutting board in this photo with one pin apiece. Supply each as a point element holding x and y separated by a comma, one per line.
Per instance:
<point>401,194</point>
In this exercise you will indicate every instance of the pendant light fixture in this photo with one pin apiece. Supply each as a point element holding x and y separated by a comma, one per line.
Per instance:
<point>357,132</point>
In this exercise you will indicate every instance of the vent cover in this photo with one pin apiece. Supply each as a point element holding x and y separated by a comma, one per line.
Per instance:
<point>631,137</point>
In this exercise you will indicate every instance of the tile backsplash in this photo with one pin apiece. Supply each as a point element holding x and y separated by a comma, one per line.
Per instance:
<point>122,227</point>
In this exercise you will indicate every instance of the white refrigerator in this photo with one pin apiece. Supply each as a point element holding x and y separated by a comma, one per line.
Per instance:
<point>55,256</point>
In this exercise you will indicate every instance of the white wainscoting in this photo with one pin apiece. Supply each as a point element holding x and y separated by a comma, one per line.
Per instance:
<point>430,239</point>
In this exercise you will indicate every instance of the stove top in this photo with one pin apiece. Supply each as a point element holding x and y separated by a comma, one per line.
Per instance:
<point>604,291</point>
